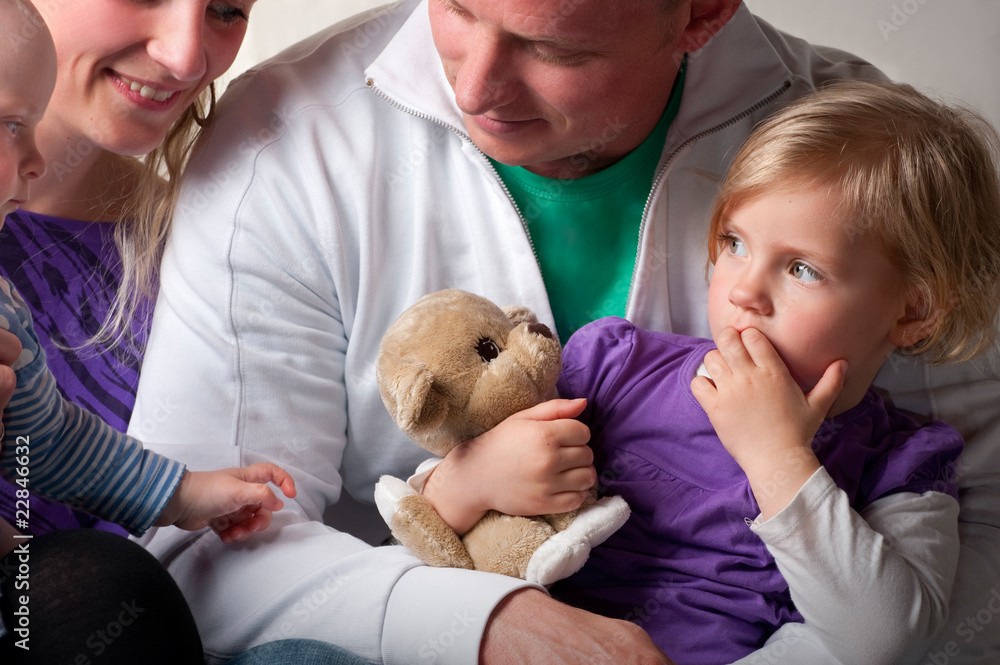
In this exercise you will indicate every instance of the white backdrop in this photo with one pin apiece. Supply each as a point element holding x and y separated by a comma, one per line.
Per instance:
<point>947,47</point>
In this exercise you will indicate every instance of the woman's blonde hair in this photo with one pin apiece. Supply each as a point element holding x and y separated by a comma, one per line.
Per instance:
<point>146,214</point>
<point>919,176</point>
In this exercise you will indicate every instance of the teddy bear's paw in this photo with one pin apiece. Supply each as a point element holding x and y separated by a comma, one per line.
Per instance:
<point>601,519</point>
<point>565,553</point>
<point>389,491</point>
<point>557,558</point>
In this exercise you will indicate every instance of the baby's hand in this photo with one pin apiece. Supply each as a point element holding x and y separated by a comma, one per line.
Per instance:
<point>234,502</point>
<point>762,416</point>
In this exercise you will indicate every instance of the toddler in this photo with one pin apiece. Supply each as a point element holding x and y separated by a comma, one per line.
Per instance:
<point>769,484</point>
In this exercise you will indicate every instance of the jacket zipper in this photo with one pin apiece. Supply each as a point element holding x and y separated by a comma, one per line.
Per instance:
<point>461,134</point>
<point>656,180</point>
<point>666,167</point>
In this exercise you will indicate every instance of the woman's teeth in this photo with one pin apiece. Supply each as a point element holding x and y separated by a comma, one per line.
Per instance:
<point>147,92</point>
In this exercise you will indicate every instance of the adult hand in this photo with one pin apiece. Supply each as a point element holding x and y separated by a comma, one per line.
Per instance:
<point>10,349</point>
<point>530,627</point>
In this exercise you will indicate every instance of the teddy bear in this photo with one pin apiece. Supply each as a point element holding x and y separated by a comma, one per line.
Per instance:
<point>451,367</point>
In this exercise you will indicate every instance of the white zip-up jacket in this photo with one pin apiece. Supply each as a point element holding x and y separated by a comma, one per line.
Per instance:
<point>337,186</point>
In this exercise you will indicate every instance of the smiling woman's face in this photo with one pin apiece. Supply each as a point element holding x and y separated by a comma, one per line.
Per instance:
<point>128,69</point>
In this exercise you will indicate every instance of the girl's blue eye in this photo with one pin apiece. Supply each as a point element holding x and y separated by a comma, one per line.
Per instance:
<point>12,125</point>
<point>735,246</point>
<point>805,273</point>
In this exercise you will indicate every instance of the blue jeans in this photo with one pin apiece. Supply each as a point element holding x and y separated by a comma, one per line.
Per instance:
<point>297,652</point>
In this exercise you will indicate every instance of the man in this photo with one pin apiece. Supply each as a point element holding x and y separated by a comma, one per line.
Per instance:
<point>381,160</point>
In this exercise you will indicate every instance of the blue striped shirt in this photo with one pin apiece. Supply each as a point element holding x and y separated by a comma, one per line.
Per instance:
<point>74,456</point>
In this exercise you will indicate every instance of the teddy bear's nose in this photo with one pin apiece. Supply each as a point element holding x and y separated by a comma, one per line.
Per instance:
<point>540,329</point>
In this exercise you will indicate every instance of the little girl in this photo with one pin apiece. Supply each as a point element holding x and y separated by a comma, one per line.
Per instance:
<point>769,485</point>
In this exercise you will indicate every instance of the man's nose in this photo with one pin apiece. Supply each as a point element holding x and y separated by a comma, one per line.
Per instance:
<point>486,79</point>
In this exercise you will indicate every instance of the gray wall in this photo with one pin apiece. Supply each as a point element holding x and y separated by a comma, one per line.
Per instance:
<point>947,47</point>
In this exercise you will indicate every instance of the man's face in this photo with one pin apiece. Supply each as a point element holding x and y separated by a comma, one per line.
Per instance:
<point>562,87</point>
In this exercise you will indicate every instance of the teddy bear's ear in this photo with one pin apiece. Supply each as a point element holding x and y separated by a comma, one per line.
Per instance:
<point>519,315</point>
<point>412,400</point>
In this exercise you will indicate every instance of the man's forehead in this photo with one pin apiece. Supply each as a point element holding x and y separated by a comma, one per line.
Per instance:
<point>569,21</point>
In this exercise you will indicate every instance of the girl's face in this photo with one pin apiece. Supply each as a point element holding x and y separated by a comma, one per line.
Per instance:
<point>129,68</point>
<point>819,288</point>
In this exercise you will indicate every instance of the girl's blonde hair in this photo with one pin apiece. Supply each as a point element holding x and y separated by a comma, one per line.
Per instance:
<point>919,176</point>
<point>146,214</point>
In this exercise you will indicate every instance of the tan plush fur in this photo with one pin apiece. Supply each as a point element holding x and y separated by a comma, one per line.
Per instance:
<point>442,386</point>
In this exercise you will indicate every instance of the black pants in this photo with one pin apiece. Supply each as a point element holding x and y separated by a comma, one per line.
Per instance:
<point>97,598</point>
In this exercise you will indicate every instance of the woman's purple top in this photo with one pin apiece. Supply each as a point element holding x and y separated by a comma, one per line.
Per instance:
<point>68,271</point>
<point>686,566</point>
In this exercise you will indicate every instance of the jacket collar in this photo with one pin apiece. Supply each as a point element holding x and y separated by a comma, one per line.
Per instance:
<point>409,73</point>
<point>735,70</point>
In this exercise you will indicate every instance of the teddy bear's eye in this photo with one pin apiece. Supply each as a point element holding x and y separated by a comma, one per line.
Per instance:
<point>488,349</point>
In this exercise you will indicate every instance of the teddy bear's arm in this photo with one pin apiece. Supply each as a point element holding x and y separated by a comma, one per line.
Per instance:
<point>418,527</point>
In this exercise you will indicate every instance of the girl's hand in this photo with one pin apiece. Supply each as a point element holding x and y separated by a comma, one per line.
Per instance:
<point>535,462</point>
<point>761,415</point>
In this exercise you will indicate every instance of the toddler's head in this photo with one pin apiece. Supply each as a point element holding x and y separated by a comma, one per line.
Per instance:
<point>897,171</point>
<point>26,82</point>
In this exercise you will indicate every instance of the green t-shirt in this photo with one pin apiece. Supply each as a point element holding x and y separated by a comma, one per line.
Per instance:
<point>586,230</point>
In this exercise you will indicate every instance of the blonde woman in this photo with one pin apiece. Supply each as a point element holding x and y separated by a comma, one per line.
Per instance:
<point>132,80</point>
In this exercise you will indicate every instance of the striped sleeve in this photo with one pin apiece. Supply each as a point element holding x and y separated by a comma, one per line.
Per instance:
<point>73,456</point>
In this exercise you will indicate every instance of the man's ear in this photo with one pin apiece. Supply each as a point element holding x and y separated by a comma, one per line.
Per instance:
<point>918,321</point>
<point>706,19</point>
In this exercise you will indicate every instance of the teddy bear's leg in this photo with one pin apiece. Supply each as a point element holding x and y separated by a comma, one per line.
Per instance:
<point>505,543</point>
<point>417,525</point>
<point>565,553</point>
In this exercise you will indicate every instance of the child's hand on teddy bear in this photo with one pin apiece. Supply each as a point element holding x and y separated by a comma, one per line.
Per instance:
<point>535,462</point>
